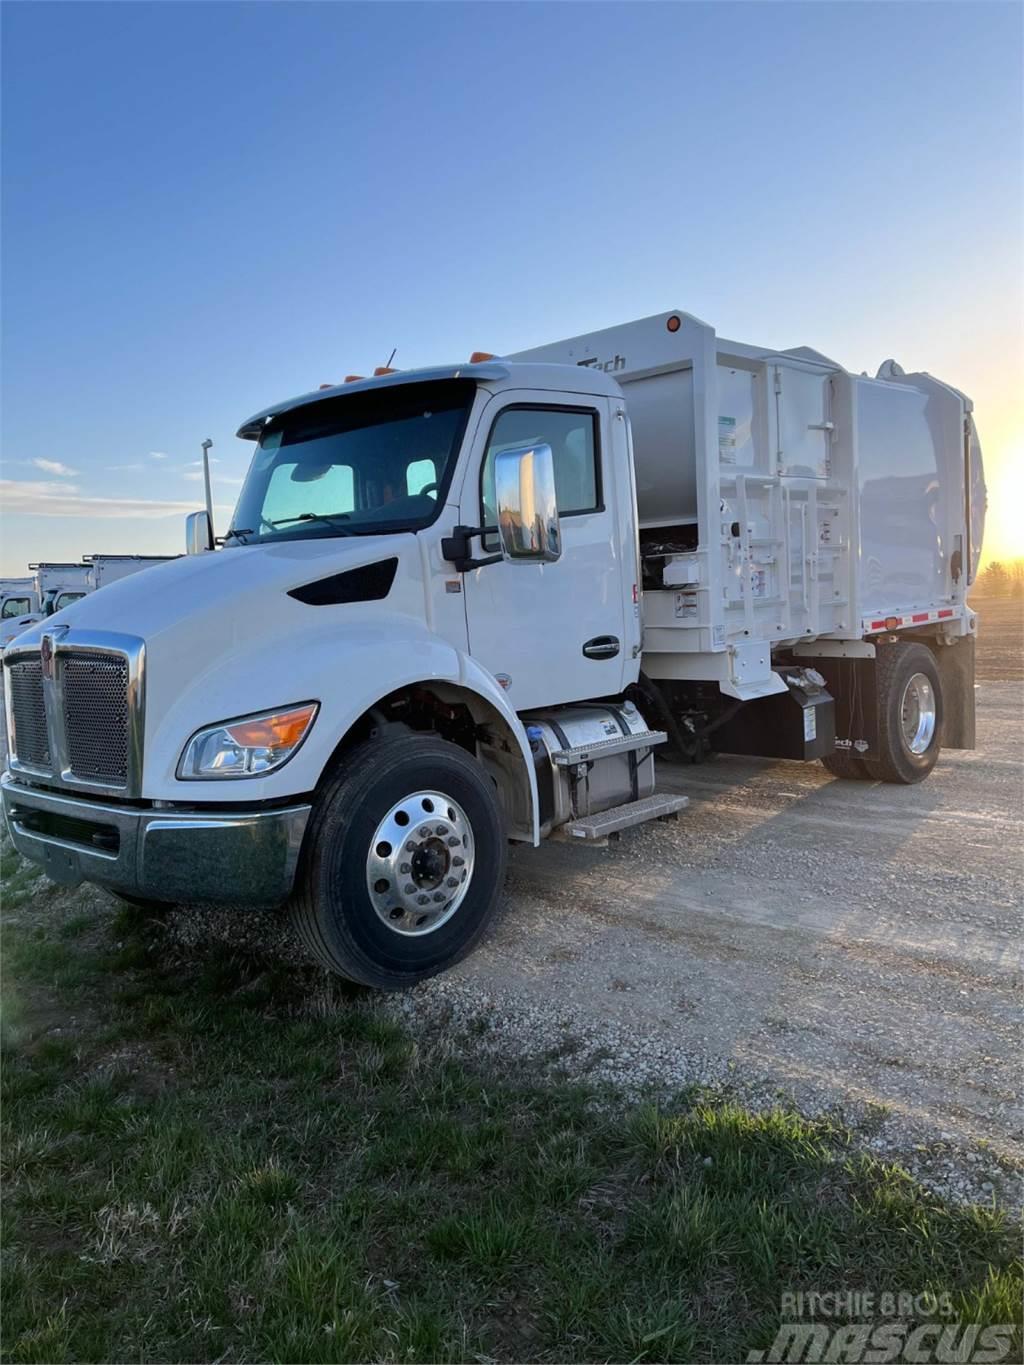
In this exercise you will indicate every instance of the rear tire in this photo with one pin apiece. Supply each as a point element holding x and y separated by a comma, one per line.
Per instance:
<point>850,767</point>
<point>910,714</point>
<point>403,863</point>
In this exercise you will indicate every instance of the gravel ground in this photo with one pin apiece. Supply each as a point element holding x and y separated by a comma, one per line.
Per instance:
<point>841,946</point>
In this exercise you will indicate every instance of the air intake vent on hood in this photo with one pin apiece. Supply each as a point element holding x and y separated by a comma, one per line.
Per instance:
<point>368,583</point>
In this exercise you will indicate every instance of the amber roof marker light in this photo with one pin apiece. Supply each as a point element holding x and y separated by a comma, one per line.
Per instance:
<point>478,357</point>
<point>674,323</point>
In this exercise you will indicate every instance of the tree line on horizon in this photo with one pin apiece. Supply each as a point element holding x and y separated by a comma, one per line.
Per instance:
<point>1001,578</point>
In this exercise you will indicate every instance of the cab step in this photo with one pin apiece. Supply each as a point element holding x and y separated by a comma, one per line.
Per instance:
<point>605,748</point>
<point>607,822</point>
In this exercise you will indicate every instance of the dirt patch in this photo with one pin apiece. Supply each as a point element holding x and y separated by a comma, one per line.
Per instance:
<point>1000,654</point>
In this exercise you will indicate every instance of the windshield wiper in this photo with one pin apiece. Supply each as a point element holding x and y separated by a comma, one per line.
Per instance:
<point>328,518</point>
<point>237,532</point>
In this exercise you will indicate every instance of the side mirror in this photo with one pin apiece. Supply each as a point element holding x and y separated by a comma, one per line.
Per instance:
<point>524,491</point>
<point>198,533</point>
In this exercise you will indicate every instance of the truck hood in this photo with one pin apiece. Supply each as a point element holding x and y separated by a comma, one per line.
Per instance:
<point>223,638</point>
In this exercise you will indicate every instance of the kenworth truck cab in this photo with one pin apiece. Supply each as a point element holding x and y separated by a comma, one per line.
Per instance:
<point>455,608</point>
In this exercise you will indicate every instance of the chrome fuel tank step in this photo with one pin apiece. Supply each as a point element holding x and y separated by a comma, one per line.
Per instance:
<point>594,827</point>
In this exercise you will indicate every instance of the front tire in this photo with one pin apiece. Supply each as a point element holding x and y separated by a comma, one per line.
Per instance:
<point>403,864</point>
<point>909,714</point>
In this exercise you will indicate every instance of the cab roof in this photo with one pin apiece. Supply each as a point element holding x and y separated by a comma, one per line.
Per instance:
<point>565,378</point>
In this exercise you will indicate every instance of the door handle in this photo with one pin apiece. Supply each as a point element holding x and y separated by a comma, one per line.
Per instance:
<point>601,647</point>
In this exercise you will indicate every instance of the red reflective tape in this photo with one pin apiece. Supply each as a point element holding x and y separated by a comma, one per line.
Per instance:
<point>947,611</point>
<point>920,616</point>
<point>878,625</point>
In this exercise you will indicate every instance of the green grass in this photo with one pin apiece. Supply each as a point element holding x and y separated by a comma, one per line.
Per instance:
<point>216,1158</point>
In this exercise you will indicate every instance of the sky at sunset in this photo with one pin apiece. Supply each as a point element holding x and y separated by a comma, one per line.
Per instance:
<point>209,207</point>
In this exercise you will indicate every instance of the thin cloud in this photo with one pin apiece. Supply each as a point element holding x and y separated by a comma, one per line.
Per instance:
<point>197,477</point>
<point>36,498</point>
<point>114,467</point>
<point>194,464</point>
<point>55,467</point>
<point>158,455</point>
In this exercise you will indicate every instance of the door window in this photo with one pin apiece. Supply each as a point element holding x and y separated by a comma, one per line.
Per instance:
<point>16,606</point>
<point>65,599</point>
<point>572,435</point>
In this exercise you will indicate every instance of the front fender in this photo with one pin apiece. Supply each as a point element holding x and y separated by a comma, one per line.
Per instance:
<point>347,670</point>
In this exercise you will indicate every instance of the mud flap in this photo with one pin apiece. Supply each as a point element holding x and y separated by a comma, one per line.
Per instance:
<point>955,663</point>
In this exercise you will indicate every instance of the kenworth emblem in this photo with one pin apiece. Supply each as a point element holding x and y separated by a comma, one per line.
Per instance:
<point>46,650</point>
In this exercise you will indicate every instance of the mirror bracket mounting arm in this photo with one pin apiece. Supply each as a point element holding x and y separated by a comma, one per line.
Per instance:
<point>456,548</point>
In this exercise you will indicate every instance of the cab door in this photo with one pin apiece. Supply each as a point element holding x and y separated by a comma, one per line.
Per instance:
<point>552,632</point>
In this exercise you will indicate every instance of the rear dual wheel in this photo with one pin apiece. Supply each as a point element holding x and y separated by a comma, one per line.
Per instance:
<point>403,864</point>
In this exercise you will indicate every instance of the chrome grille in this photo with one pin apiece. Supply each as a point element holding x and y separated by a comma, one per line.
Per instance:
<point>95,694</point>
<point>30,741</point>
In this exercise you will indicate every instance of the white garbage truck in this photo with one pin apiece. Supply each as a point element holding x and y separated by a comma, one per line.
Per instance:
<point>466,605</point>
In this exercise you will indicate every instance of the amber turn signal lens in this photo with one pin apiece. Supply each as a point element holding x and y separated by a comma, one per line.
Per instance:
<point>283,730</point>
<point>478,357</point>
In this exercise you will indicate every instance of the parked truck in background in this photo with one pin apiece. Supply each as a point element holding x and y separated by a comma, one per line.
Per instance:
<point>17,598</point>
<point>58,585</point>
<point>107,569</point>
<point>51,588</point>
<point>465,605</point>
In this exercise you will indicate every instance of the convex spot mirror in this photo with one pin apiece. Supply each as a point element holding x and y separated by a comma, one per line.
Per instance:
<point>524,492</point>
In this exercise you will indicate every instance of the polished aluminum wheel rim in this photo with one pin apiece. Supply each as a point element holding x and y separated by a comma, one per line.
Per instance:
<point>918,714</point>
<point>420,863</point>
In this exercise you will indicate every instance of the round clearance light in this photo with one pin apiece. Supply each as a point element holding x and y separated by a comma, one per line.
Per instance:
<point>674,323</point>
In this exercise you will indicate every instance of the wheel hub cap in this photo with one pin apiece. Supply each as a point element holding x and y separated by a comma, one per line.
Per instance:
<point>918,714</point>
<point>420,863</point>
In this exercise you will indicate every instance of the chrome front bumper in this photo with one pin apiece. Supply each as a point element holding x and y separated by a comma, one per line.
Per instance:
<point>237,857</point>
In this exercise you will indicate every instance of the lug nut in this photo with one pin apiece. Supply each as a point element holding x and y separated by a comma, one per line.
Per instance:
<point>409,890</point>
<point>441,829</point>
<point>404,867</point>
<point>457,862</point>
<point>452,881</point>
<point>410,847</point>
<point>453,842</point>
<point>422,900</point>
<point>439,895</point>
<point>424,831</point>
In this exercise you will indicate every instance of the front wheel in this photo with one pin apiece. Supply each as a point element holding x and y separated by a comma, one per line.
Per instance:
<point>403,864</point>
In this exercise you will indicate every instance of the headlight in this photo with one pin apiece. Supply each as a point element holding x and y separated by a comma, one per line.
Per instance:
<point>249,746</point>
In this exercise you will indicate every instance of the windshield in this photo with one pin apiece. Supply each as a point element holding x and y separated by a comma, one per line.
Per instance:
<point>374,461</point>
